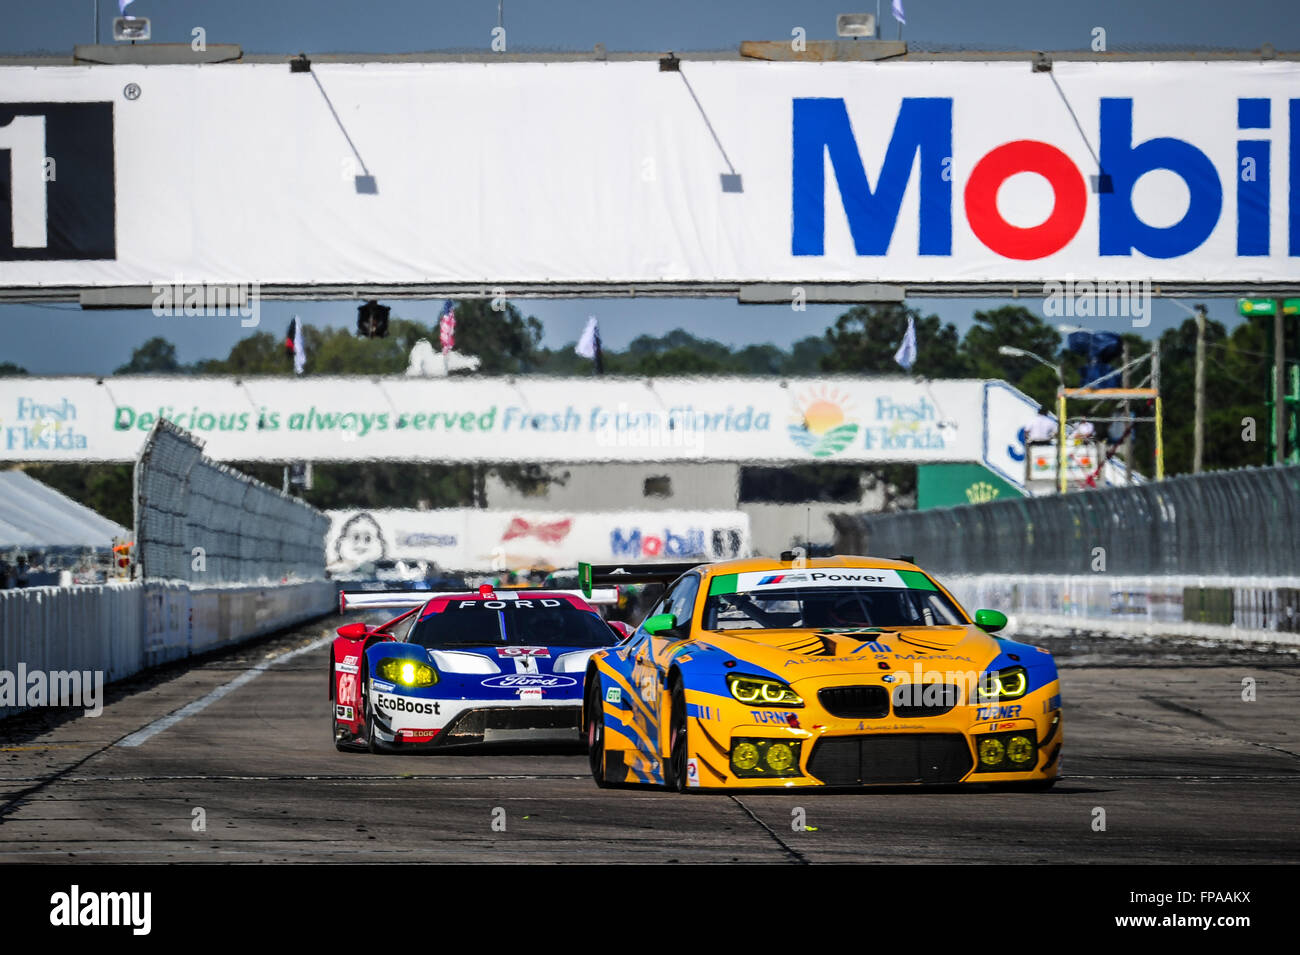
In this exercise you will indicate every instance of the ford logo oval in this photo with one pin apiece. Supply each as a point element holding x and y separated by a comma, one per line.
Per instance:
<point>521,680</point>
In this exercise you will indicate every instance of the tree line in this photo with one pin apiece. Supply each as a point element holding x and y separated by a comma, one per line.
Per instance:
<point>862,341</point>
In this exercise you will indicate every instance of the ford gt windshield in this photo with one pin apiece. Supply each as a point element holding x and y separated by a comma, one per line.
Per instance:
<point>477,623</point>
<point>830,608</point>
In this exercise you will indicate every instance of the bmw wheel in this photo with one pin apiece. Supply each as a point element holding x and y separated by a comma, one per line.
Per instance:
<point>594,731</point>
<point>675,766</point>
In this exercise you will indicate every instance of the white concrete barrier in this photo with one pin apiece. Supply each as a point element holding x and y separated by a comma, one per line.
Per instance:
<point>1252,609</point>
<point>121,629</point>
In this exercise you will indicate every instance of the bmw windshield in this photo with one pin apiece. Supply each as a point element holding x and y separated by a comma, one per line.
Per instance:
<point>507,623</point>
<point>830,608</point>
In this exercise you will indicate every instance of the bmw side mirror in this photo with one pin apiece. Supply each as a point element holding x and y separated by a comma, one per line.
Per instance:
<point>990,621</point>
<point>658,623</point>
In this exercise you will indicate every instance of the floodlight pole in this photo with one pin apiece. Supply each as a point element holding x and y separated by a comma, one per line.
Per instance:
<point>1198,433</point>
<point>1160,434</point>
<point>1279,376</point>
<point>1060,440</point>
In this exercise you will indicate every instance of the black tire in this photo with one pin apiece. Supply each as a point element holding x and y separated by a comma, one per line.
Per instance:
<point>675,765</point>
<point>594,731</point>
<point>372,743</point>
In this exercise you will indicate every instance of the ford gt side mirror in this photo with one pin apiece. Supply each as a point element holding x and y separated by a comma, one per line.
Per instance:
<point>353,631</point>
<point>658,623</point>
<point>990,621</point>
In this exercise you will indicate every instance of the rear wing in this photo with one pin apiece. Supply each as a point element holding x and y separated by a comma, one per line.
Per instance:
<point>406,599</point>
<point>589,575</point>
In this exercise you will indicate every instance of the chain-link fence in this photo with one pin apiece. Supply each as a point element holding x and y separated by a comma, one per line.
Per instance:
<point>1229,524</point>
<point>205,523</point>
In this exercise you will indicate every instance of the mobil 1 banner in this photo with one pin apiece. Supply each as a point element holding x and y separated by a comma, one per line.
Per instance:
<point>537,419</point>
<point>909,172</point>
<point>397,543</point>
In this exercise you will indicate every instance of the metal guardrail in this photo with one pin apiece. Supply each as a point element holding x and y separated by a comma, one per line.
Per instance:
<point>1227,523</point>
<point>244,530</point>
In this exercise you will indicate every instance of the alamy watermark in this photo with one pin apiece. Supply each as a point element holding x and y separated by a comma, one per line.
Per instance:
<point>1103,298</point>
<point>200,299</point>
<point>32,688</point>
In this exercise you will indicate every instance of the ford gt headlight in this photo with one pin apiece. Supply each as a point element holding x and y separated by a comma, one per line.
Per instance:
<point>762,691</point>
<point>1008,684</point>
<point>407,672</point>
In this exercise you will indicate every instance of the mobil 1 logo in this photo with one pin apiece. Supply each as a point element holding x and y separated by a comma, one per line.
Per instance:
<point>57,192</point>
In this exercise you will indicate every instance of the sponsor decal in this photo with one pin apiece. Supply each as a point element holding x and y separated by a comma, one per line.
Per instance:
<point>823,425</point>
<point>401,704</point>
<point>782,717</point>
<point>1054,703</point>
<point>614,695</point>
<point>517,681</point>
<point>783,578</point>
<point>998,712</point>
<point>411,734</point>
<point>523,652</point>
<point>531,694</point>
<point>692,772</point>
<point>43,425</point>
<point>346,667</point>
<point>383,685</point>
<point>503,604</point>
<point>344,713</point>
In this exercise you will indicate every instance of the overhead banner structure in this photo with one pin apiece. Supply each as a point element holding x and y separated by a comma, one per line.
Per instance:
<point>468,539</point>
<point>522,175</point>
<point>522,419</point>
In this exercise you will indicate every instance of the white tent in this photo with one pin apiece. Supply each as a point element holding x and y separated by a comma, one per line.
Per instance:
<point>37,517</point>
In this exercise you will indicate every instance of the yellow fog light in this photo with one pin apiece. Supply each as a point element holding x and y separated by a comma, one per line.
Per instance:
<point>1019,749</point>
<point>407,672</point>
<point>991,751</point>
<point>745,756</point>
<point>779,757</point>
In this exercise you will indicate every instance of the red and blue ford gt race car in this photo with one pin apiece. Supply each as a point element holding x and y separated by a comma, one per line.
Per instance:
<point>464,668</point>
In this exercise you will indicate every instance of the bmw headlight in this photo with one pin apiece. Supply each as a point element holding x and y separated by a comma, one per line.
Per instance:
<point>1008,684</point>
<point>762,691</point>
<point>407,672</point>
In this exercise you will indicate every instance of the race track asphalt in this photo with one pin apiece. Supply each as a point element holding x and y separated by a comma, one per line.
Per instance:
<point>1157,736</point>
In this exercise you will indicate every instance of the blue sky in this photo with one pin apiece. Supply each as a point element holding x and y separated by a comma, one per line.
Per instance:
<point>64,340</point>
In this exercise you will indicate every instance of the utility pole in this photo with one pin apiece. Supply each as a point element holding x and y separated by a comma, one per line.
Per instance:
<point>1279,385</point>
<point>1160,425</point>
<point>1198,435</point>
<point>1126,381</point>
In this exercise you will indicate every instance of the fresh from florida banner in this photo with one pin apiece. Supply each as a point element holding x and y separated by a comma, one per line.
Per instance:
<point>504,419</point>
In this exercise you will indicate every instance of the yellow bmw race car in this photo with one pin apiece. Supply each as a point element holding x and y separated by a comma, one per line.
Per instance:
<point>835,671</point>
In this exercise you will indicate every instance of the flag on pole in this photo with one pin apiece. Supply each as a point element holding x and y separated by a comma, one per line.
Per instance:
<point>906,354</point>
<point>589,344</point>
<point>294,346</point>
<point>899,15</point>
<point>447,326</point>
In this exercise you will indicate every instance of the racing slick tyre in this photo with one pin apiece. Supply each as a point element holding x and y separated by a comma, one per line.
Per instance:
<point>594,732</point>
<point>675,770</point>
<point>372,742</point>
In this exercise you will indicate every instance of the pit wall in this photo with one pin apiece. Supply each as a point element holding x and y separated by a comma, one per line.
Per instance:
<point>1250,609</point>
<point>122,629</point>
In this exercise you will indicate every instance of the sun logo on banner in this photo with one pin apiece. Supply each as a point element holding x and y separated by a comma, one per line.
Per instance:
<point>823,426</point>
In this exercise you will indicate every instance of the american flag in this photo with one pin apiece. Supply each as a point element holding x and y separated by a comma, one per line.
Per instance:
<point>447,326</point>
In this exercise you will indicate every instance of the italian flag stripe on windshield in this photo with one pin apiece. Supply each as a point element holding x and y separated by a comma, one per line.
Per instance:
<point>916,580</point>
<point>722,584</point>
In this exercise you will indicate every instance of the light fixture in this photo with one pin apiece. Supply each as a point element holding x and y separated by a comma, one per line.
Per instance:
<point>130,29</point>
<point>856,24</point>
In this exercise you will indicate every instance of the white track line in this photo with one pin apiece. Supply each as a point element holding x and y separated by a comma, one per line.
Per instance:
<point>202,703</point>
